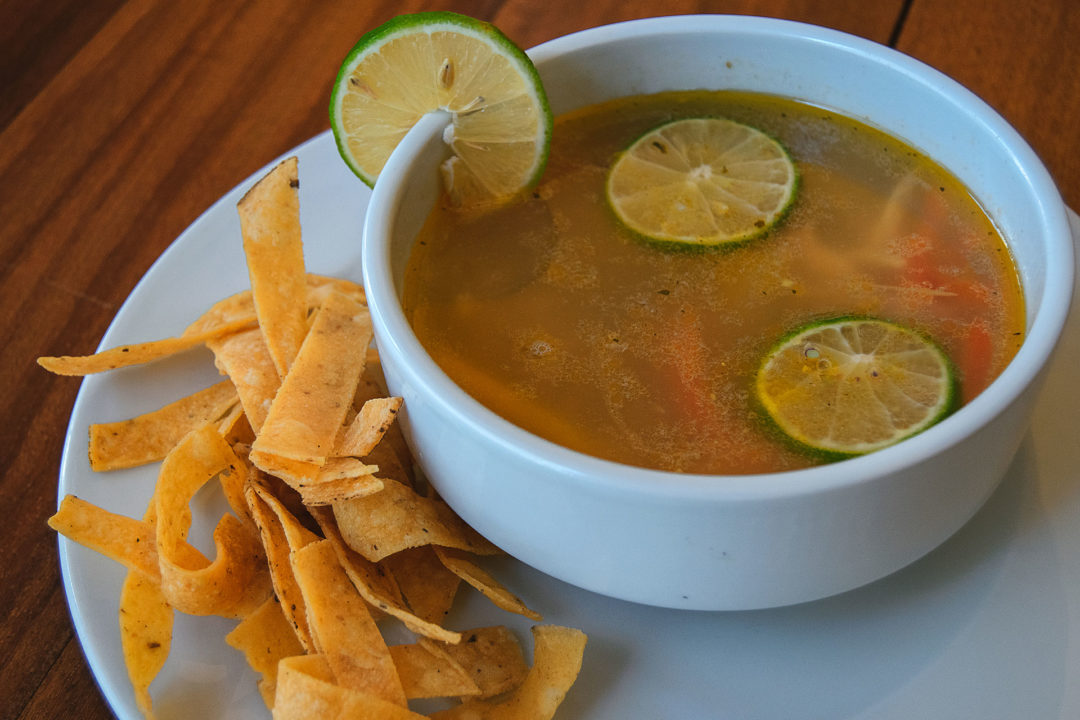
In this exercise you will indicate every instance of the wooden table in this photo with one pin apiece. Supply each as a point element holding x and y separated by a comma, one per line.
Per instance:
<point>120,121</point>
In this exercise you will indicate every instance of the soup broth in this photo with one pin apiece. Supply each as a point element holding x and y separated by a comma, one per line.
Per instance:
<point>550,313</point>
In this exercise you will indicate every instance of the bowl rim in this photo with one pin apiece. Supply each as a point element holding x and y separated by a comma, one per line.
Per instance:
<point>607,476</point>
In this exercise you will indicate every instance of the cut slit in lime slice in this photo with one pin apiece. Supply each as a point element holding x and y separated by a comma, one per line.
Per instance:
<point>853,385</point>
<point>499,120</point>
<point>702,181</point>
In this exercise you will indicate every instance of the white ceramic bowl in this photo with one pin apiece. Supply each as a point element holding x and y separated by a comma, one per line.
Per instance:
<point>731,542</point>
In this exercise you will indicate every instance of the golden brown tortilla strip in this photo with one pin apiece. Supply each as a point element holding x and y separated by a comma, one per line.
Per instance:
<point>310,407</point>
<point>427,585</point>
<point>430,673</point>
<point>146,623</point>
<point>265,637</point>
<point>398,518</point>
<point>136,354</point>
<point>462,565</point>
<point>237,581</point>
<point>270,226</point>
<point>339,489</point>
<point>234,308</point>
<point>490,656</point>
<point>241,306</point>
<point>243,357</point>
<point>342,626</point>
<point>149,437</point>
<point>378,587</point>
<point>557,655</point>
<point>306,691</point>
<point>368,427</point>
<point>126,540</point>
<point>281,533</point>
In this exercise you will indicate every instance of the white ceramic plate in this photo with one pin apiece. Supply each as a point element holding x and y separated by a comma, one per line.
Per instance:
<point>986,626</point>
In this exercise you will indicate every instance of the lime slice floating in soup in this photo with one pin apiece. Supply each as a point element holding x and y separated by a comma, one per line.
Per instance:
<point>702,181</point>
<point>499,120</point>
<point>853,385</point>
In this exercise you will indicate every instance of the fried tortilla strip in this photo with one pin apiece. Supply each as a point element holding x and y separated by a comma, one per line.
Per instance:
<point>306,691</point>
<point>310,408</point>
<point>126,540</point>
<point>490,656</point>
<point>378,587</point>
<point>338,479</point>
<point>557,655</point>
<point>237,581</point>
<point>234,308</point>
<point>342,626</point>
<point>146,623</point>
<point>138,353</point>
<point>398,518</point>
<point>294,473</point>
<point>149,437</point>
<point>241,306</point>
<point>428,587</point>
<point>368,427</point>
<point>331,486</point>
<point>281,533</point>
<point>430,673</point>
<point>265,637</point>
<point>244,359</point>
<point>462,565</point>
<point>270,226</point>
<point>234,426</point>
<point>321,286</point>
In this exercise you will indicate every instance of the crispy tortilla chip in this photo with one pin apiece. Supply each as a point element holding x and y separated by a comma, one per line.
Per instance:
<point>281,533</point>
<point>431,673</point>
<point>391,454</point>
<point>490,656</point>
<point>557,655</point>
<point>234,426</point>
<point>270,226</point>
<point>305,692</point>
<point>427,585</point>
<point>146,623</point>
<point>321,286</point>
<point>342,627</point>
<point>378,587</point>
<point>368,427</point>
<point>136,354</point>
<point>397,518</point>
<point>338,489</point>
<point>243,357</point>
<point>241,306</point>
<point>462,565</point>
<point>149,437</point>
<point>237,581</point>
<point>233,481</point>
<point>128,541</point>
<point>314,397</point>
<point>234,308</point>
<point>294,472</point>
<point>265,637</point>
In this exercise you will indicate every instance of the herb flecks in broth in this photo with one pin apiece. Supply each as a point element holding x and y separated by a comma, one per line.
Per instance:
<point>555,316</point>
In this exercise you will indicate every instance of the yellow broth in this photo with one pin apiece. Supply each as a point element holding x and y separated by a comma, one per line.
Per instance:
<point>551,314</point>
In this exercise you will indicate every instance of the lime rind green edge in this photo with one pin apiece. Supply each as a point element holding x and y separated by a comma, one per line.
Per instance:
<point>720,246</point>
<point>770,426</point>
<point>397,26</point>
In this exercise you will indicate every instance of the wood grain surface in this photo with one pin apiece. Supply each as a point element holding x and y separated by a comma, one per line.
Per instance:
<point>121,121</point>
